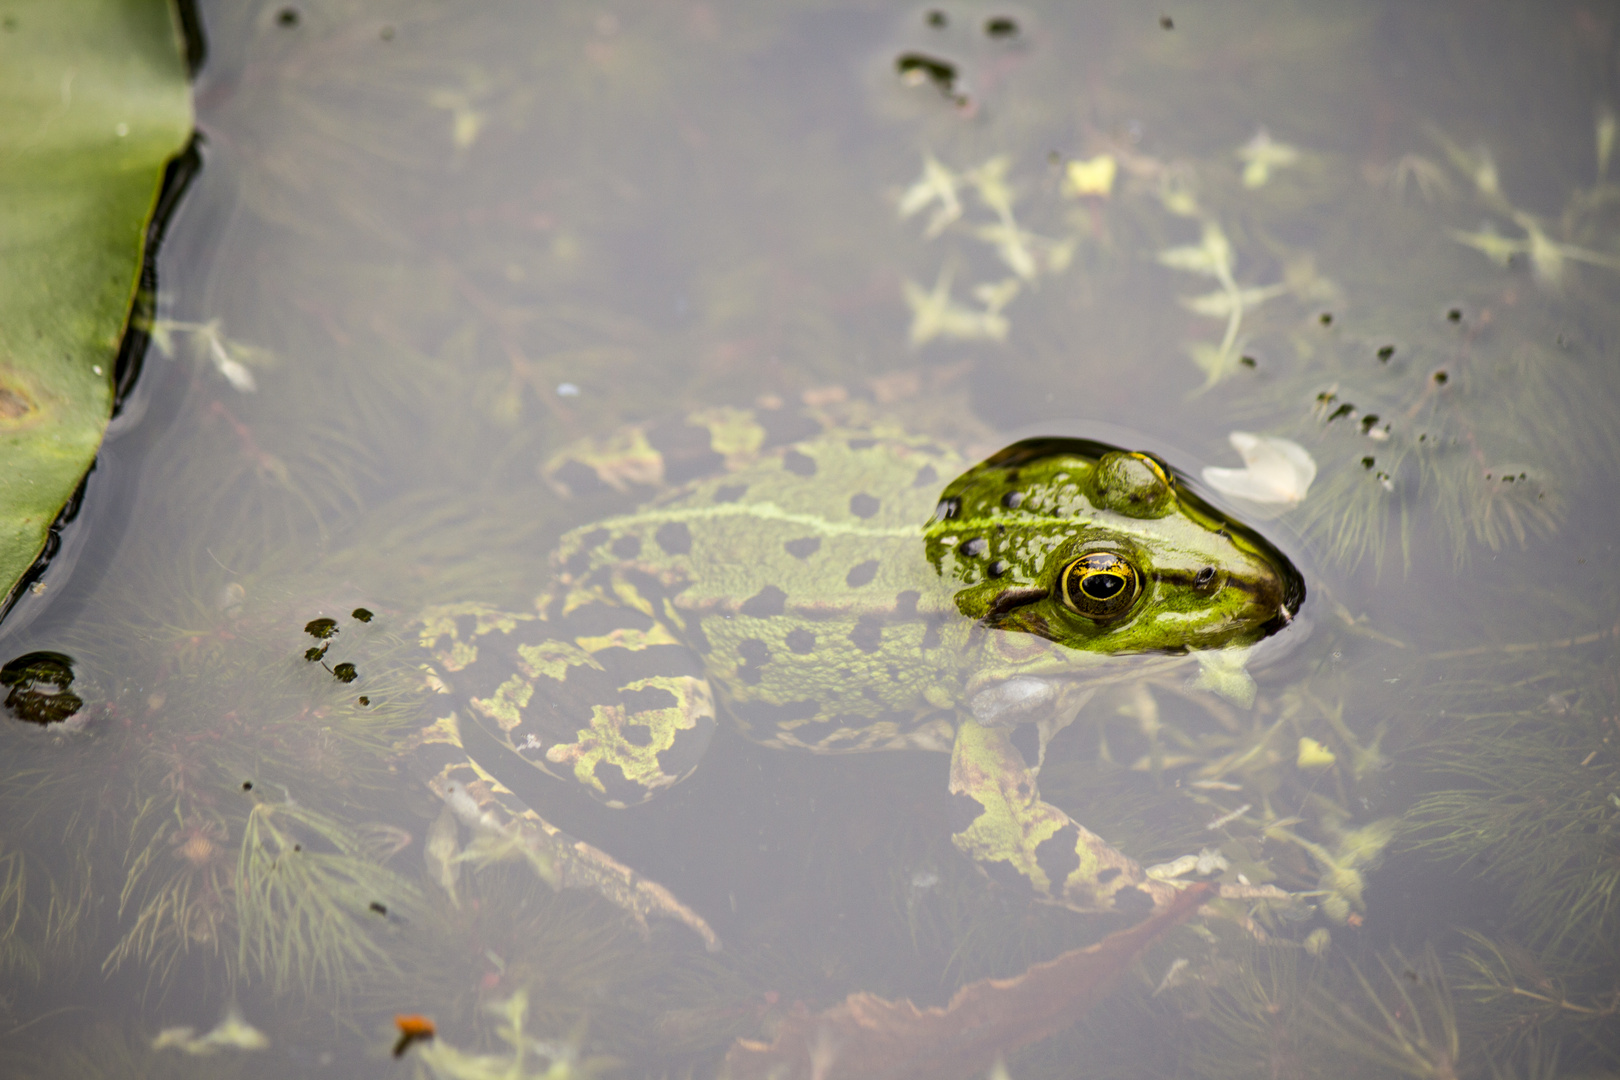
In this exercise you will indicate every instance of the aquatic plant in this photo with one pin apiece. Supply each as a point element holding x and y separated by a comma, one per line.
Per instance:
<point>553,1059</point>
<point>305,894</point>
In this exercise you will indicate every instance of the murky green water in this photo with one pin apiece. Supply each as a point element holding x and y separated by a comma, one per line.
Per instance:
<point>431,245</point>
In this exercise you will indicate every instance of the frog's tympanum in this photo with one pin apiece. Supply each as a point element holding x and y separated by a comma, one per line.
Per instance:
<point>841,593</point>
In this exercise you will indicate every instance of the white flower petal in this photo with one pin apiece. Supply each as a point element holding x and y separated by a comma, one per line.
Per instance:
<point>1276,472</point>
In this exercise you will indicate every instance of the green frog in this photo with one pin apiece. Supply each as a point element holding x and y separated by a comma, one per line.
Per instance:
<point>844,589</point>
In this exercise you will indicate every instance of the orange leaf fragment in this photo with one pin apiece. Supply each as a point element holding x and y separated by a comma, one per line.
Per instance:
<point>869,1038</point>
<point>412,1028</point>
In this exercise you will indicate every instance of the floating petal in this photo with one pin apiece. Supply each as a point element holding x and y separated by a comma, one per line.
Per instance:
<point>1276,472</point>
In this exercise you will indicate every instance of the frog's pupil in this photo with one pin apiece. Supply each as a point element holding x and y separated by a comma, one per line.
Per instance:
<point>1102,586</point>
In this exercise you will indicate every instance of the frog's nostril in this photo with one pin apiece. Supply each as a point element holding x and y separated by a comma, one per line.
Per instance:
<point>1205,576</point>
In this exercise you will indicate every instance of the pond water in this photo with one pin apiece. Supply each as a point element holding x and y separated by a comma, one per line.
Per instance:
<point>432,246</point>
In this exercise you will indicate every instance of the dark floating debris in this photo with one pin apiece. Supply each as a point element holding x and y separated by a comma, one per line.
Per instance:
<point>1166,22</point>
<point>1326,318</point>
<point>364,700</point>
<point>361,614</point>
<point>1454,315</point>
<point>917,68</point>
<point>314,653</point>
<point>287,17</point>
<point>37,688</point>
<point>936,18</point>
<point>1368,462</point>
<point>1001,26</point>
<point>1440,378</point>
<point>1248,361</point>
<point>247,785</point>
<point>321,629</point>
<point>345,672</point>
<point>1385,352</point>
<point>1368,421</point>
<point>1346,409</point>
<point>379,907</point>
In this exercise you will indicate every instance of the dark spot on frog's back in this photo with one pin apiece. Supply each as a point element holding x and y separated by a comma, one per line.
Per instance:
<point>800,642</point>
<point>861,574</point>
<point>905,605</point>
<point>1058,857</point>
<point>674,537</point>
<point>729,493</point>
<point>783,426</point>
<point>864,506</point>
<point>768,602</point>
<point>927,476</point>
<point>686,450</point>
<point>620,789</point>
<point>646,699</point>
<point>804,547</point>
<point>799,464</point>
<point>627,547</point>
<point>868,634</point>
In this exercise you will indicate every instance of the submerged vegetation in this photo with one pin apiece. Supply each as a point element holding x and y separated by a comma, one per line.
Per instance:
<point>361,391</point>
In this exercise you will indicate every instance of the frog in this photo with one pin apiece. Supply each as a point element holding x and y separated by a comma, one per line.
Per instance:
<point>836,588</point>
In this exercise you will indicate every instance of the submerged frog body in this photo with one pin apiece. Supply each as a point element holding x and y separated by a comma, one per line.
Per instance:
<point>840,593</point>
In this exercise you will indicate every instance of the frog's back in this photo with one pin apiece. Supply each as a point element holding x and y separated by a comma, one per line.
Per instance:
<point>800,580</point>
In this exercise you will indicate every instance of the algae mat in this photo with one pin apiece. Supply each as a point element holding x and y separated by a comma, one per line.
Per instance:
<point>94,102</point>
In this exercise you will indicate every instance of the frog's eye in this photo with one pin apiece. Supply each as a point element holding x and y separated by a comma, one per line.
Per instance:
<point>1101,586</point>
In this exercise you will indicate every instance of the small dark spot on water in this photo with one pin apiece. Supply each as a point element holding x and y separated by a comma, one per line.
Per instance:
<point>1440,378</point>
<point>379,908</point>
<point>918,68</point>
<point>1001,26</point>
<point>1248,361</point>
<point>1454,315</point>
<point>314,653</point>
<point>345,673</point>
<point>936,19</point>
<point>1326,318</point>
<point>1166,23</point>
<point>1343,410</point>
<point>287,17</point>
<point>1367,463</point>
<point>321,629</point>
<point>1368,421</point>
<point>386,33</point>
<point>298,849</point>
<point>364,700</point>
<point>1385,352</point>
<point>247,785</point>
<point>360,614</point>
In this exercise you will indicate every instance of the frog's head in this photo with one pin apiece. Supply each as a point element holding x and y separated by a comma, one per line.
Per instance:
<point>1103,552</point>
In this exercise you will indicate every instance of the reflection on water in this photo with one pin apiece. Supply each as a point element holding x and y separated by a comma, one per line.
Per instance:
<point>431,250</point>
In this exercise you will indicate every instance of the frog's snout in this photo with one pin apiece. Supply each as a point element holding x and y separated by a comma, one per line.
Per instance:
<point>1010,701</point>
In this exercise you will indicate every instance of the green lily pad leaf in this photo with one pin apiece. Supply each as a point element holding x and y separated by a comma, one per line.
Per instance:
<point>94,101</point>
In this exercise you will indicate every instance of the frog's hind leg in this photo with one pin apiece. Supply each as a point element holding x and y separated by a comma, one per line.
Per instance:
<point>1019,840</point>
<point>503,827</point>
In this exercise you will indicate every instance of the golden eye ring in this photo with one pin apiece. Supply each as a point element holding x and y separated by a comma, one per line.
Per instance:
<point>1100,586</point>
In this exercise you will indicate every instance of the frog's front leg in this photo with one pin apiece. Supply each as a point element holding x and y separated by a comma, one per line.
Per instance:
<point>1018,839</point>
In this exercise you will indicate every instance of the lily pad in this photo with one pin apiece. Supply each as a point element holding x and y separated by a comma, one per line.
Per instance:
<point>94,102</point>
